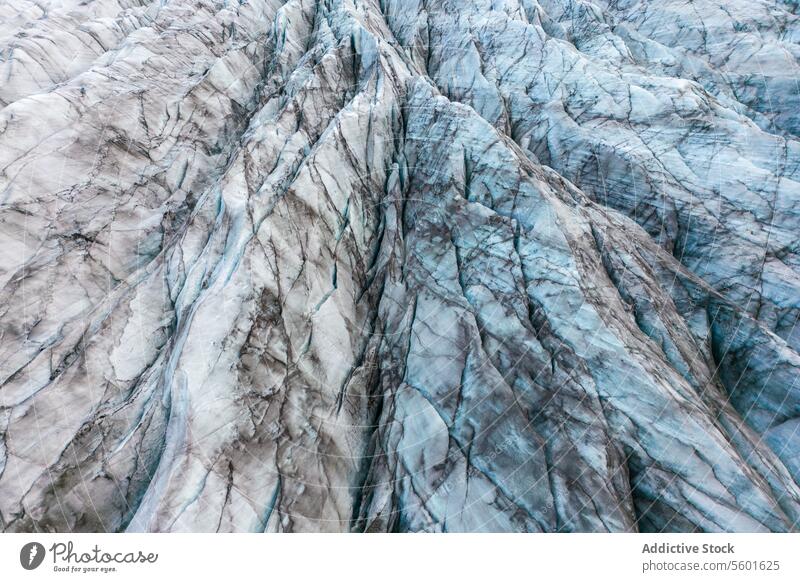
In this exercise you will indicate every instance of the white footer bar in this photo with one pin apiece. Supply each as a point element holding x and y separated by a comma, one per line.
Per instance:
<point>240,557</point>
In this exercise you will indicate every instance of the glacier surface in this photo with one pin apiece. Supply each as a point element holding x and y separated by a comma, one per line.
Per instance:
<point>399,265</point>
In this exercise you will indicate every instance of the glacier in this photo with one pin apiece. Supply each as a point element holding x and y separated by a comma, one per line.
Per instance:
<point>399,265</point>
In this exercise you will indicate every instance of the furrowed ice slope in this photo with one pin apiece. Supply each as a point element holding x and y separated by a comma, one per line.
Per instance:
<point>399,266</point>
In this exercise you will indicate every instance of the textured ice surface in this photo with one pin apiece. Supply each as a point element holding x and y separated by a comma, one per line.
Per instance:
<point>399,265</point>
